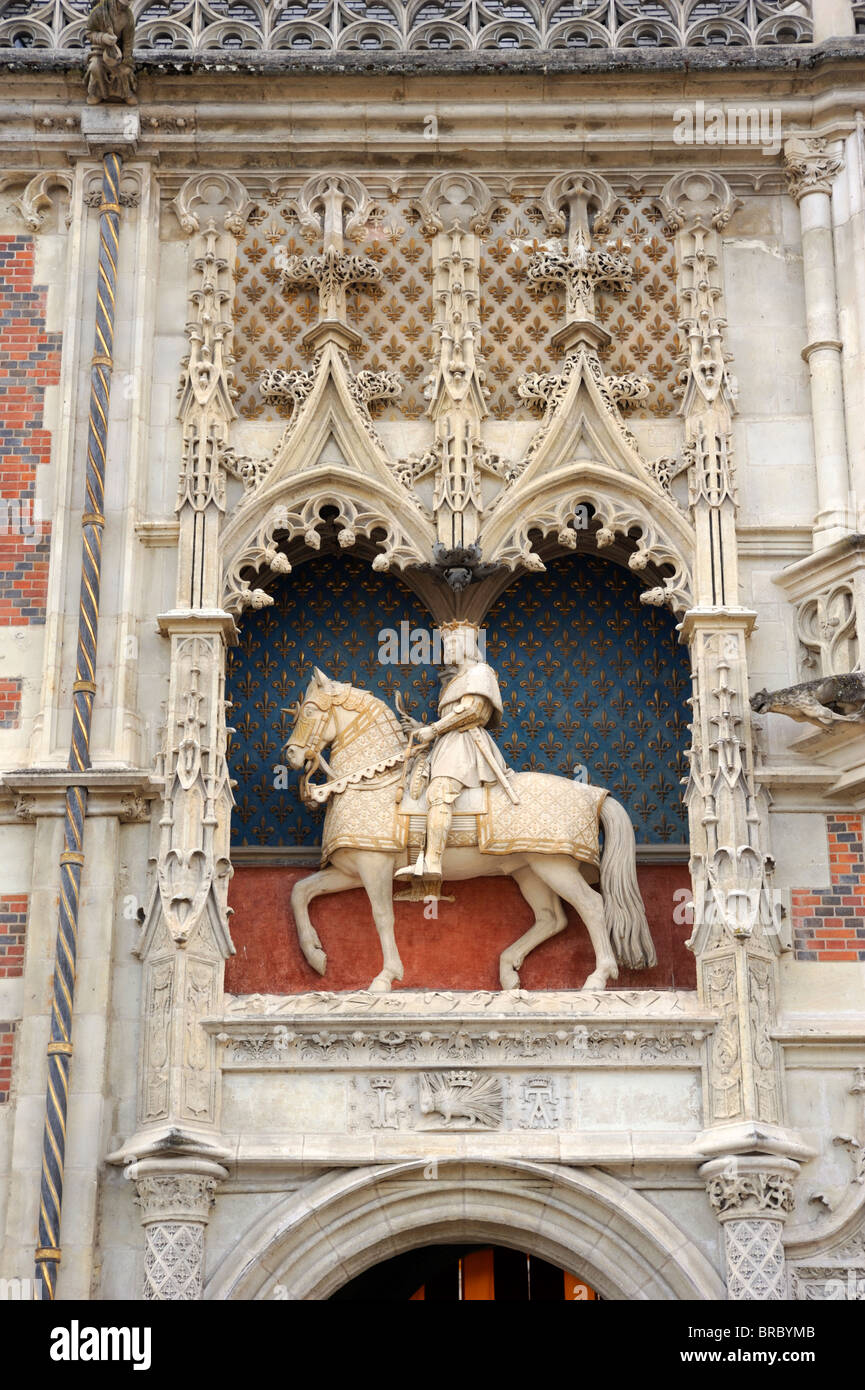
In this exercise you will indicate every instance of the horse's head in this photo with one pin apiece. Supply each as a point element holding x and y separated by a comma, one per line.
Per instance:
<point>314,725</point>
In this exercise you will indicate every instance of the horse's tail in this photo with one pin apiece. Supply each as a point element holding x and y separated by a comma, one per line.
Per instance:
<point>623,906</point>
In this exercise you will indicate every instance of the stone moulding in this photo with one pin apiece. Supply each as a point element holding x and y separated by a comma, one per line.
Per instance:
<point>252,1045</point>
<point>625,1005</point>
<point>622,505</point>
<point>560,1029</point>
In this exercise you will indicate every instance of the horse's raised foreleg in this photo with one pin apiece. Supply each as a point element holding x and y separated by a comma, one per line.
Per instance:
<point>329,880</point>
<point>550,918</point>
<point>564,877</point>
<point>376,873</point>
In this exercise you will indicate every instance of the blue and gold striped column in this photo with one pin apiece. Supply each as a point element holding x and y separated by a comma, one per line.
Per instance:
<point>48,1252</point>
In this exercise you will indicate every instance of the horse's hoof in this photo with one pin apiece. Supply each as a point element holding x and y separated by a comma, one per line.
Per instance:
<point>380,985</point>
<point>597,980</point>
<point>317,958</point>
<point>508,977</point>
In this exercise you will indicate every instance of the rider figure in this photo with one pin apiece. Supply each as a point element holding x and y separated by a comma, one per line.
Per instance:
<point>463,754</point>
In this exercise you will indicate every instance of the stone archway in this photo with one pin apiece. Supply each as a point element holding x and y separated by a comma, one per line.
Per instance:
<point>588,1222</point>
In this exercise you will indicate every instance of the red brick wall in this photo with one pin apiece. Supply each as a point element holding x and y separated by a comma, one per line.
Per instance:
<point>829,923</point>
<point>13,924</point>
<point>10,703</point>
<point>29,361</point>
<point>7,1044</point>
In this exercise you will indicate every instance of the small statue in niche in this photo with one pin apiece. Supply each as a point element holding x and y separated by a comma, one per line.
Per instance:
<point>111,32</point>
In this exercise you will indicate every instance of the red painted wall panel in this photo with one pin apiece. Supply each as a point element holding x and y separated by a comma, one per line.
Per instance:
<point>458,951</point>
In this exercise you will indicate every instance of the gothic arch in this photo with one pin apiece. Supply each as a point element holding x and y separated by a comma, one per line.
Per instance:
<point>584,1220</point>
<point>329,456</point>
<point>621,504</point>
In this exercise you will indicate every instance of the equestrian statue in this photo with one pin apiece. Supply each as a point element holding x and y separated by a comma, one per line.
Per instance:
<point>412,804</point>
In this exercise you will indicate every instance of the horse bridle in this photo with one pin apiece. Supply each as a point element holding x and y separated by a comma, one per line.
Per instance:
<point>306,732</point>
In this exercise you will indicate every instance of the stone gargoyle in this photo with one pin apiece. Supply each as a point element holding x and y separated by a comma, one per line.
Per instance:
<point>824,702</point>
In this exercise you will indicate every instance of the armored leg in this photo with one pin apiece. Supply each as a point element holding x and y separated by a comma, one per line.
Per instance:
<point>442,793</point>
<point>438,824</point>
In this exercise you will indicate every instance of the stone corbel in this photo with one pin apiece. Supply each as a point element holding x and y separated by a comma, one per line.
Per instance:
<point>826,596</point>
<point>218,197</point>
<point>126,795</point>
<point>827,592</point>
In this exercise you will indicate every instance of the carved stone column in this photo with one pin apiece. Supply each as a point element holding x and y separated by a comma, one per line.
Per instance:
<point>735,936</point>
<point>185,938</point>
<point>175,1209</point>
<point>752,1198</point>
<point>810,169</point>
<point>456,208</point>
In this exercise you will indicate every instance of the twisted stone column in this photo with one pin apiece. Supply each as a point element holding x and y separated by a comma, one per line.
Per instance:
<point>752,1198</point>
<point>48,1250</point>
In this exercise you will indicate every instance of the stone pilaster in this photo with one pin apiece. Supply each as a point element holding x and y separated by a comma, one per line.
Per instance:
<point>735,935</point>
<point>185,938</point>
<point>811,166</point>
<point>456,209</point>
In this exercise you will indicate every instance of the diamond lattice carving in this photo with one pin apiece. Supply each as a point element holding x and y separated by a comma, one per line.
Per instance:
<point>173,1261</point>
<point>755,1259</point>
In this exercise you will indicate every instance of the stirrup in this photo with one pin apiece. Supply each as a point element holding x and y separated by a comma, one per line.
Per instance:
<point>422,885</point>
<point>422,889</point>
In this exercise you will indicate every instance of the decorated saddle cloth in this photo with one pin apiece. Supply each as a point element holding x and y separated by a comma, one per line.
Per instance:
<point>553,816</point>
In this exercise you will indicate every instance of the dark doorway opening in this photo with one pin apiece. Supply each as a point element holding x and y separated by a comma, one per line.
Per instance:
<point>466,1274</point>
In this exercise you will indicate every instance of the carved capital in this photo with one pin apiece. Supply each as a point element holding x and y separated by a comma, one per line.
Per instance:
<point>460,200</point>
<point>321,196</point>
<point>38,195</point>
<point>175,1197</point>
<point>563,195</point>
<point>580,271</point>
<point>808,166</point>
<point>740,1188</point>
<point>333,272</point>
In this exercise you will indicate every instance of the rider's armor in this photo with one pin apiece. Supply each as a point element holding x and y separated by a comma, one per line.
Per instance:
<point>463,755</point>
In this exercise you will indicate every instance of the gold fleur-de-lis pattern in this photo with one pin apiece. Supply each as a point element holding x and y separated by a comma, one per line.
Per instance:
<point>590,679</point>
<point>395,316</point>
<point>642,319</point>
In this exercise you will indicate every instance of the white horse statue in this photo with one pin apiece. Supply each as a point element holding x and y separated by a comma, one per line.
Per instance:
<point>543,832</point>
